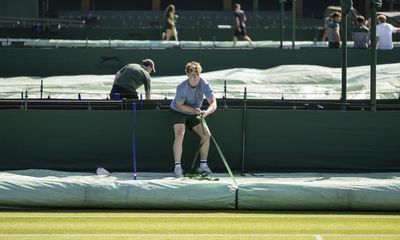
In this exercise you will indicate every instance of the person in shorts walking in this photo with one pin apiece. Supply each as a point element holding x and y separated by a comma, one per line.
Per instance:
<point>240,25</point>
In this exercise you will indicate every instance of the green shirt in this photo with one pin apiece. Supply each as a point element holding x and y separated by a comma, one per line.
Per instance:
<point>133,76</point>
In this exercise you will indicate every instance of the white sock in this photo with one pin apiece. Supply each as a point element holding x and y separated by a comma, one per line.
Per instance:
<point>178,165</point>
<point>203,163</point>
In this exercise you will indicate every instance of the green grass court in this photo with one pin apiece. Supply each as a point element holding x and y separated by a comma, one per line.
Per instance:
<point>197,225</point>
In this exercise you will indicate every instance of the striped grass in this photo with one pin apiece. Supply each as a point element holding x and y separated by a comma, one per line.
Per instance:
<point>204,225</point>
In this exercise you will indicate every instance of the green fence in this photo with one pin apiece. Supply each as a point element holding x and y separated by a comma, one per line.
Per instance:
<point>71,61</point>
<point>276,140</point>
<point>19,8</point>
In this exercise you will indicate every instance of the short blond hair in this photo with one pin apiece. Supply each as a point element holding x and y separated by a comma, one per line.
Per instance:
<point>193,67</point>
<point>336,14</point>
<point>382,18</point>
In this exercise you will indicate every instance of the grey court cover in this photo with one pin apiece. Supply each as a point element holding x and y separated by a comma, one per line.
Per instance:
<point>272,191</point>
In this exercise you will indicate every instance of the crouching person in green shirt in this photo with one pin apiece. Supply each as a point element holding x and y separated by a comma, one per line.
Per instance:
<point>130,78</point>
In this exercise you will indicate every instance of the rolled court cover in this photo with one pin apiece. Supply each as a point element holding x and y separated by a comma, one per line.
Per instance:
<point>272,191</point>
<point>56,189</point>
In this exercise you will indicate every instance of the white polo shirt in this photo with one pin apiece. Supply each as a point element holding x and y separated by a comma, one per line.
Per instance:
<point>384,31</point>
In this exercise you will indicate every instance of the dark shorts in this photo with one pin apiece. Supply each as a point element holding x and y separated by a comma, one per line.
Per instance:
<point>190,121</point>
<point>169,26</point>
<point>334,44</point>
<point>242,33</point>
<point>123,93</point>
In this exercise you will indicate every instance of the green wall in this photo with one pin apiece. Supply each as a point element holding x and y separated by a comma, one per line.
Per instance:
<point>185,34</point>
<point>277,140</point>
<point>312,140</point>
<point>19,8</point>
<point>71,61</point>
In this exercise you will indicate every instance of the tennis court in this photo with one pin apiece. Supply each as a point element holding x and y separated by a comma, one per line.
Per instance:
<point>205,225</point>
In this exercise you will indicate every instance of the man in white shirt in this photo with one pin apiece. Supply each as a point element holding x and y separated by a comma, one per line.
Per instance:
<point>384,33</point>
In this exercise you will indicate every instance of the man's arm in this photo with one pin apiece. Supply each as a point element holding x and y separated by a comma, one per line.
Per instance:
<point>212,106</point>
<point>237,23</point>
<point>170,19</point>
<point>147,87</point>
<point>377,41</point>
<point>184,108</point>
<point>148,95</point>
<point>337,35</point>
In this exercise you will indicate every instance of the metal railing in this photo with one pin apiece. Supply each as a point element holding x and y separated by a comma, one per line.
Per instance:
<point>46,22</point>
<point>221,91</point>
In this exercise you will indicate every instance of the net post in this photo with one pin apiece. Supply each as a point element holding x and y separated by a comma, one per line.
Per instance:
<point>282,3</point>
<point>373,58</point>
<point>293,24</point>
<point>141,101</point>
<point>134,140</point>
<point>41,89</point>
<point>344,56</point>
<point>225,90</point>
<point>244,123</point>
<point>26,100</point>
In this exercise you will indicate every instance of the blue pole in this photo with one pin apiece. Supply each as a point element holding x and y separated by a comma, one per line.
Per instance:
<point>134,139</point>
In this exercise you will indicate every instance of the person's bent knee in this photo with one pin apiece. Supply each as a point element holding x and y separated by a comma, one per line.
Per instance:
<point>179,130</point>
<point>205,137</point>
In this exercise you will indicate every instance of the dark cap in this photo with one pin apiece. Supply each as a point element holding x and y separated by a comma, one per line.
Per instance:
<point>149,62</point>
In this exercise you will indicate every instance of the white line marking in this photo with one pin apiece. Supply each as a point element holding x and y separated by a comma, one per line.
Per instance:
<point>318,237</point>
<point>199,235</point>
<point>360,235</point>
<point>204,216</point>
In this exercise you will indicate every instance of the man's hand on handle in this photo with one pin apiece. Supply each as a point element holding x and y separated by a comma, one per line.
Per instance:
<point>200,113</point>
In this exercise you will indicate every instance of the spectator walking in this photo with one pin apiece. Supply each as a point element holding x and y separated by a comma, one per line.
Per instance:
<point>360,34</point>
<point>327,20</point>
<point>384,32</point>
<point>170,23</point>
<point>240,25</point>
<point>334,30</point>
